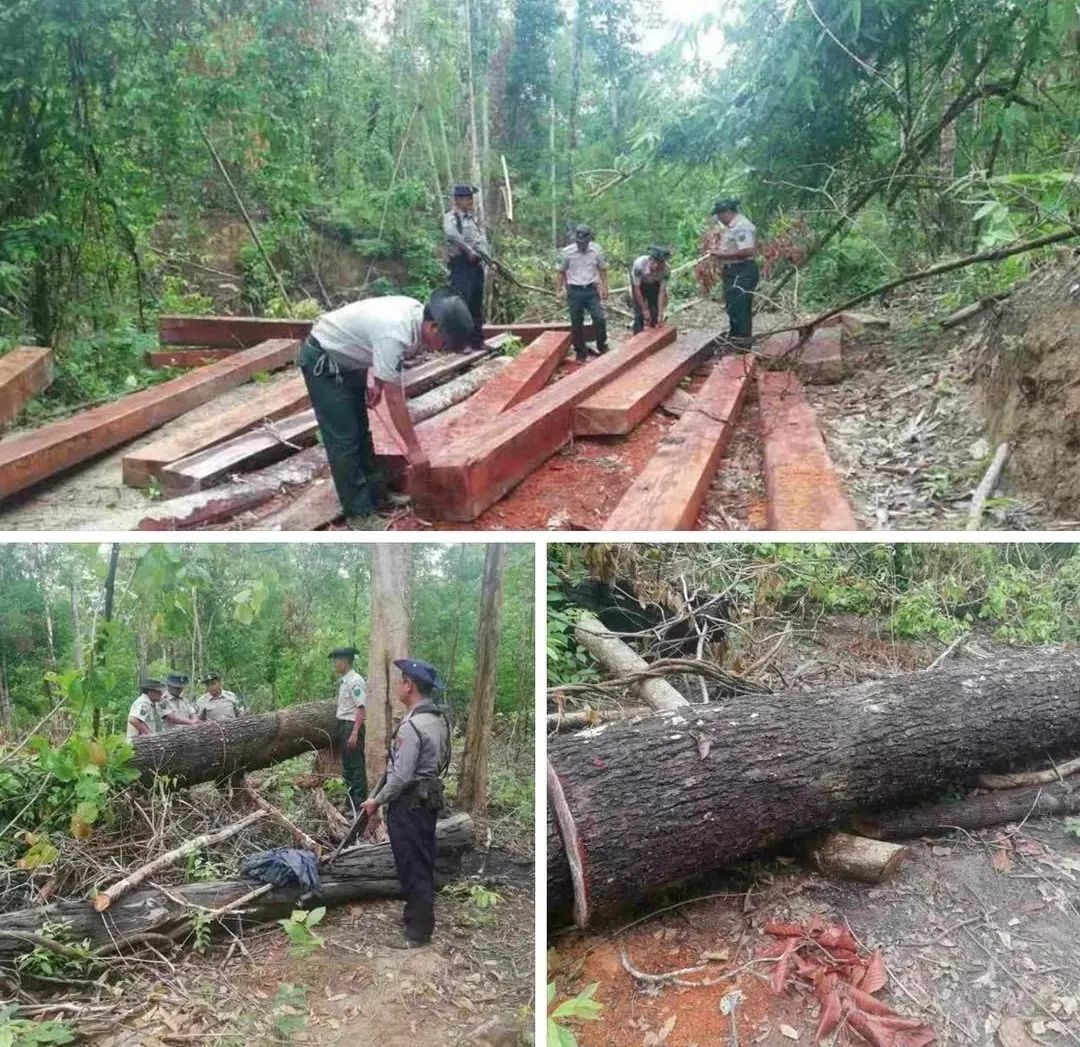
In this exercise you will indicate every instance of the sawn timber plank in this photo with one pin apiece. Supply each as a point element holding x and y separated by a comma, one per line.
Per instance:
<point>25,371</point>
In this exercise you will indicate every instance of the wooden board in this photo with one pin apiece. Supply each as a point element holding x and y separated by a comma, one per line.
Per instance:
<point>528,333</point>
<point>668,493</point>
<point>24,372</point>
<point>471,473</point>
<point>143,465</point>
<point>620,406</point>
<point>819,360</point>
<point>802,490</point>
<point>228,332</point>
<point>187,357</point>
<point>242,453</point>
<point>315,507</point>
<point>34,456</point>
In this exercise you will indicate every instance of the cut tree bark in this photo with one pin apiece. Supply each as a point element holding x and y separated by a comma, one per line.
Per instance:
<point>217,749</point>
<point>858,858</point>
<point>443,397</point>
<point>779,766</point>
<point>619,659</point>
<point>986,486</point>
<point>362,872</point>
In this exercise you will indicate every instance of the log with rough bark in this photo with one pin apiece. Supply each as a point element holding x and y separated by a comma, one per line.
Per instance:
<point>217,749</point>
<point>362,872</point>
<point>592,717</point>
<point>619,659</point>
<point>976,812</point>
<point>641,806</point>
<point>848,857</point>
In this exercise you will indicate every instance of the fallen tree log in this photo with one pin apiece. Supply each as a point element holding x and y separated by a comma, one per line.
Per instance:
<point>976,812</point>
<point>574,721</point>
<point>362,872</point>
<point>217,749</point>
<point>641,806</point>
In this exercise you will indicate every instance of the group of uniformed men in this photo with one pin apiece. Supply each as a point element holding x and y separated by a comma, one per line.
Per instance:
<point>162,707</point>
<point>355,356</point>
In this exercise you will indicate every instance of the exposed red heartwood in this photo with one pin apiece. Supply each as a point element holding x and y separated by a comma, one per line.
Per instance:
<point>528,333</point>
<point>142,465</point>
<point>315,507</point>
<point>31,457</point>
<point>668,493</point>
<point>227,332</point>
<point>623,404</point>
<point>187,357</point>
<point>476,470</point>
<point>819,359</point>
<point>802,490</point>
<point>24,372</point>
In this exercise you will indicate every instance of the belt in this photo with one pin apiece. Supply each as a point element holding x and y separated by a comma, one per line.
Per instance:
<point>584,287</point>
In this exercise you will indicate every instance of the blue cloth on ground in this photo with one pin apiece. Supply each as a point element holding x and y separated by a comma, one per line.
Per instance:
<point>284,867</point>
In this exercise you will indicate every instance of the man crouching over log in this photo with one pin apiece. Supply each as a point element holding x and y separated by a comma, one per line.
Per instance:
<point>413,794</point>
<point>376,335</point>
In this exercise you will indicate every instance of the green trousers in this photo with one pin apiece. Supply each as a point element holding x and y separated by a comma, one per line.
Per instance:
<point>353,768</point>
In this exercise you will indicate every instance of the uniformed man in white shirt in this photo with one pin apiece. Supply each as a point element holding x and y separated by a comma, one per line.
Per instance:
<point>144,716</point>
<point>582,275</point>
<point>736,250</point>
<point>466,244</point>
<point>215,703</point>
<point>176,710</point>
<point>354,357</point>
<point>351,710</point>
<point>648,285</point>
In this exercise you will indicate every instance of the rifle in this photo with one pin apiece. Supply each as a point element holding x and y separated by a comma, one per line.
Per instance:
<point>359,824</point>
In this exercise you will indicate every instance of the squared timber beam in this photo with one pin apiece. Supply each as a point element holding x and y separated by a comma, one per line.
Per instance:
<point>25,371</point>
<point>228,332</point>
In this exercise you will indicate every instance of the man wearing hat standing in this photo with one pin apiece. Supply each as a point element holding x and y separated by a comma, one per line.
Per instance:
<point>648,284</point>
<point>734,246</point>
<point>466,243</point>
<point>351,710</point>
<point>176,710</point>
<point>413,794</point>
<point>582,277</point>
<point>215,703</point>
<point>144,716</point>
<point>375,335</point>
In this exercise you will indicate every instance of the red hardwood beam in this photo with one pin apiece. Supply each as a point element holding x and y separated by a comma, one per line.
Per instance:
<point>187,357</point>
<point>528,333</point>
<point>24,372</point>
<point>668,493</point>
<point>228,332</point>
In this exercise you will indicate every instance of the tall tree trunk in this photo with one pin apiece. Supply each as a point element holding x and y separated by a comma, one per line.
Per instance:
<point>472,787</point>
<point>389,640</point>
<point>100,640</point>
<point>554,179</point>
<point>76,627</point>
<point>476,173</point>
<point>7,719</point>
<point>577,58</point>
<point>455,636</point>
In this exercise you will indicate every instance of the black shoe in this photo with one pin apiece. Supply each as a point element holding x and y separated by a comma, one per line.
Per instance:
<point>581,358</point>
<point>408,943</point>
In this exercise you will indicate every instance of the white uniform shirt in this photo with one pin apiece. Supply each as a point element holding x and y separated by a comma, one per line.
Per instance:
<point>739,236</point>
<point>582,268</point>
<point>351,694</point>
<point>170,704</point>
<point>461,227</point>
<point>226,706</point>
<point>376,333</point>
<point>640,273</point>
<point>144,710</point>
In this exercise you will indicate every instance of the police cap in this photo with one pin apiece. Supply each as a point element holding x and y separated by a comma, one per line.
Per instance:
<point>660,253</point>
<point>176,680</point>
<point>464,190</point>
<point>210,677</point>
<point>422,672</point>
<point>343,652</point>
<point>726,203</point>
<point>151,685</point>
<point>582,232</point>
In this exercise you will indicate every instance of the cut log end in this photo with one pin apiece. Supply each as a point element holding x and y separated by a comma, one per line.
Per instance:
<point>857,858</point>
<point>101,902</point>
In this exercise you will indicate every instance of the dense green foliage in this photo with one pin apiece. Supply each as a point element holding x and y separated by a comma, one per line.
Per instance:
<point>264,616</point>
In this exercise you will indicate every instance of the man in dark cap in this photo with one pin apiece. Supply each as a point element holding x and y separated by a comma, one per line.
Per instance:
<point>176,710</point>
<point>734,246</point>
<point>466,247</point>
<point>375,335</point>
<point>215,703</point>
<point>144,716</point>
<point>582,276</point>
<point>648,285</point>
<point>413,793</point>
<point>351,711</point>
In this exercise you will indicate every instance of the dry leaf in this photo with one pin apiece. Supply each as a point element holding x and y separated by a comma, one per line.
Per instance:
<point>1013,1033</point>
<point>1002,861</point>
<point>789,1032</point>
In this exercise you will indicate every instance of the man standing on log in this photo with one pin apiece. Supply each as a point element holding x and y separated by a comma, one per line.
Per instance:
<point>648,284</point>
<point>215,703</point>
<point>144,716</point>
<point>466,247</point>
<point>351,711</point>
<point>734,245</point>
<point>176,710</point>
<point>413,793</point>
<point>582,277</point>
<point>376,335</point>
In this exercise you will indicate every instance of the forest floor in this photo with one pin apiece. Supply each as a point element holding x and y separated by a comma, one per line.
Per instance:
<point>977,930</point>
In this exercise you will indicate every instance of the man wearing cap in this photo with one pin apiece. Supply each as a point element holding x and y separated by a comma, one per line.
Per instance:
<point>215,703</point>
<point>413,794</point>
<point>351,710</point>
<point>144,716</point>
<point>465,244</point>
<point>375,335</point>
<point>582,277</point>
<point>176,710</point>
<point>648,284</point>
<point>734,246</point>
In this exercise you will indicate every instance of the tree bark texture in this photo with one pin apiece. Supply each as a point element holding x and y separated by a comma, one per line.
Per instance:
<point>217,749</point>
<point>363,872</point>
<point>472,787</point>
<point>976,812</point>
<point>641,806</point>
<point>388,641</point>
